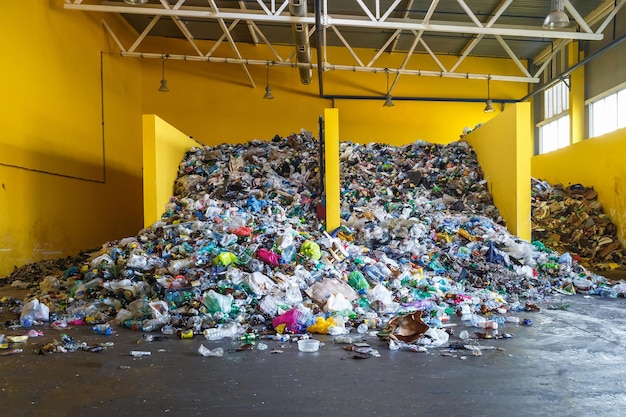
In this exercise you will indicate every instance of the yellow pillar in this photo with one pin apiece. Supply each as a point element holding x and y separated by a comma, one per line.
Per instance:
<point>576,95</point>
<point>331,165</point>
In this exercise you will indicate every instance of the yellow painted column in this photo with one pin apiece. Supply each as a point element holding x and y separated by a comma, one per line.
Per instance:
<point>576,95</point>
<point>331,165</point>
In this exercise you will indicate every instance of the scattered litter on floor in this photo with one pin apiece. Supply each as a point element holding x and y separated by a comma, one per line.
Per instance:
<point>241,254</point>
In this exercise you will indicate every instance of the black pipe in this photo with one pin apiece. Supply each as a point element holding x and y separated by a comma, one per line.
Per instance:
<point>404,98</point>
<point>320,40</point>
<point>574,68</point>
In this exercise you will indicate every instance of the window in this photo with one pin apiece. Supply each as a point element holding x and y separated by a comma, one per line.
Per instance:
<point>607,113</point>
<point>554,130</point>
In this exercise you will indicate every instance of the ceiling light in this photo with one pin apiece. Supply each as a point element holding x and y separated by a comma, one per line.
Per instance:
<point>557,18</point>
<point>163,88</point>
<point>488,104</point>
<point>268,90</point>
<point>136,1</point>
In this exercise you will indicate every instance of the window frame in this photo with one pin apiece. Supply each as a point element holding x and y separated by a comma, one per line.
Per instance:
<point>619,92</point>
<point>556,110</point>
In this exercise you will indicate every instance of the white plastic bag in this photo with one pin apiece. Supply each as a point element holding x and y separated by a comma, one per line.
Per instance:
<point>217,303</point>
<point>337,302</point>
<point>382,294</point>
<point>34,310</point>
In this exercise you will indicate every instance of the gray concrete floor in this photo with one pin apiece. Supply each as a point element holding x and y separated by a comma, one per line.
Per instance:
<point>568,363</point>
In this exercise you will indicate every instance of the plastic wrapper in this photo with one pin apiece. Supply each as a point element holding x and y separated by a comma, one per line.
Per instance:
<point>206,352</point>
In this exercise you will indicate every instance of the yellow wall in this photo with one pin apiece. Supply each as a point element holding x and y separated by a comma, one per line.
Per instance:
<point>215,103</point>
<point>597,162</point>
<point>164,147</point>
<point>504,150</point>
<point>67,182</point>
<point>70,147</point>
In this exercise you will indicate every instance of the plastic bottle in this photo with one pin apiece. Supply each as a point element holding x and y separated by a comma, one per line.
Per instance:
<point>608,292</point>
<point>102,329</point>
<point>499,320</point>
<point>280,337</point>
<point>343,339</point>
<point>374,273</point>
<point>481,322</point>
<point>288,254</point>
<point>362,328</point>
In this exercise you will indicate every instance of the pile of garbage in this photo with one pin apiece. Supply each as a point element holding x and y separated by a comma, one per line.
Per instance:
<point>571,219</point>
<point>241,250</point>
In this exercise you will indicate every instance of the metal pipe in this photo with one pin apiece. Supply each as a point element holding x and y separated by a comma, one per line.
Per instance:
<point>301,39</point>
<point>411,98</point>
<point>574,68</point>
<point>318,34</point>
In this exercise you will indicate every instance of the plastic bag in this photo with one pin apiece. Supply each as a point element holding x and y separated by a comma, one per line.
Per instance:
<point>217,303</point>
<point>311,249</point>
<point>268,256</point>
<point>259,283</point>
<point>320,291</point>
<point>433,338</point>
<point>35,311</point>
<point>321,325</point>
<point>358,282</point>
<point>242,231</point>
<point>137,261</point>
<point>206,352</point>
<point>160,311</point>
<point>337,302</point>
<point>225,259</point>
<point>289,319</point>
<point>382,294</point>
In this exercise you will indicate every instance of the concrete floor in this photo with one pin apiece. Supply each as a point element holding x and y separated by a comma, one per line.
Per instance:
<point>568,363</point>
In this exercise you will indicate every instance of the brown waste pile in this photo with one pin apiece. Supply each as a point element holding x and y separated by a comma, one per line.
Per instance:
<point>571,219</point>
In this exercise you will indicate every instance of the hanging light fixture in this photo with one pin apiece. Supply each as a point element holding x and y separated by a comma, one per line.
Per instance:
<point>488,104</point>
<point>163,88</point>
<point>557,18</point>
<point>136,1</point>
<point>268,90</point>
<point>388,102</point>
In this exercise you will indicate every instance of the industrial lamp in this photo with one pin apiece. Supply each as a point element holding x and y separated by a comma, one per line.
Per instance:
<point>163,88</point>
<point>268,90</point>
<point>488,104</point>
<point>136,1</point>
<point>557,18</point>
<point>388,102</point>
